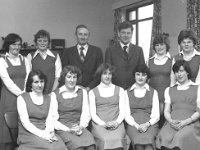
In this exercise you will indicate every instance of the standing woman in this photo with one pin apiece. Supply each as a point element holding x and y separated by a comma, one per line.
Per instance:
<point>72,111</point>
<point>160,66</point>
<point>182,108</point>
<point>142,111</point>
<point>14,71</point>
<point>46,60</point>
<point>187,42</point>
<point>107,103</point>
<point>36,125</point>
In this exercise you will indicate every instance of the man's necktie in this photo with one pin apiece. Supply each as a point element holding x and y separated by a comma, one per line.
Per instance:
<point>125,52</point>
<point>82,56</point>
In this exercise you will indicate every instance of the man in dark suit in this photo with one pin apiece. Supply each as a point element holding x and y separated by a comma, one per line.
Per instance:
<point>124,56</point>
<point>85,56</point>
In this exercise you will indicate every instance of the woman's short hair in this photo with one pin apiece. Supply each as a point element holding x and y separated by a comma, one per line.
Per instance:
<point>70,69</point>
<point>176,67</point>
<point>102,68</point>
<point>42,34</point>
<point>184,34</point>
<point>10,39</point>
<point>30,79</point>
<point>162,39</point>
<point>142,68</point>
<point>125,25</point>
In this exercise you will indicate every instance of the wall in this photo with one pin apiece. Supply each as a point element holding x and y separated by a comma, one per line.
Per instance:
<point>174,15</point>
<point>59,17</point>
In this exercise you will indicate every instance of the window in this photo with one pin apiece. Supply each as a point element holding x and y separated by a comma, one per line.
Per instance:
<point>141,18</point>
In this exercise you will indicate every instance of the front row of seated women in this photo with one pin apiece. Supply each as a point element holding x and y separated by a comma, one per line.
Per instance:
<point>60,121</point>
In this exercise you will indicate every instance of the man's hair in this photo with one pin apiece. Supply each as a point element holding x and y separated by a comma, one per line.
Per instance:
<point>125,25</point>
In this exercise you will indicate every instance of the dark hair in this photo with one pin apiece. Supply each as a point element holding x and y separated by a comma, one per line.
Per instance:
<point>184,34</point>
<point>125,25</point>
<point>30,79</point>
<point>162,39</point>
<point>81,26</point>
<point>10,39</point>
<point>185,65</point>
<point>41,34</point>
<point>70,69</point>
<point>102,68</point>
<point>142,68</point>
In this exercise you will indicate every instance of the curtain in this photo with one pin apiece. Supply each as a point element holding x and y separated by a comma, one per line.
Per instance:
<point>118,18</point>
<point>157,24</point>
<point>193,18</point>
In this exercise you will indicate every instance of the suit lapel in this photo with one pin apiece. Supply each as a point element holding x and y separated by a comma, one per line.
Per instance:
<point>76,54</point>
<point>119,50</point>
<point>89,53</point>
<point>131,51</point>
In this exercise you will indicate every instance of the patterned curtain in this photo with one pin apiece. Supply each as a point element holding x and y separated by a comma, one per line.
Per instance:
<point>157,25</point>
<point>193,18</point>
<point>118,18</point>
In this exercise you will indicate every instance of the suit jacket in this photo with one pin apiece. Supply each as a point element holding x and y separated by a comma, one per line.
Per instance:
<point>125,67</point>
<point>93,59</point>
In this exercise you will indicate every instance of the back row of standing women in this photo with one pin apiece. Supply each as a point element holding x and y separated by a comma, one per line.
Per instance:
<point>15,68</point>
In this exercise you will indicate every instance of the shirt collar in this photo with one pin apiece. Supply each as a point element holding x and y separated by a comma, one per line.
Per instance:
<point>85,46</point>
<point>7,54</point>
<point>194,53</point>
<point>188,84</point>
<point>156,56</point>
<point>122,45</point>
<point>146,86</point>
<point>63,89</point>
<point>104,85</point>
<point>48,52</point>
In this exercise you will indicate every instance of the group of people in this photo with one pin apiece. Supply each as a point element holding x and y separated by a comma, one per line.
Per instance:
<point>77,101</point>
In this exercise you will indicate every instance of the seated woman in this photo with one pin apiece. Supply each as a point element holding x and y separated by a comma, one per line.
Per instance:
<point>142,111</point>
<point>72,111</point>
<point>36,126</point>
<point>182,103</point>
<point>107,103</point>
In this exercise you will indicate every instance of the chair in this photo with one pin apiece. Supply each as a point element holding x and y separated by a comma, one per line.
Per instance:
<point>11,119</point>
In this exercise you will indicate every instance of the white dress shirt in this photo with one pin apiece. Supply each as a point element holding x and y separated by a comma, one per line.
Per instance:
<point>11,86</point>
<point>107,91</point>
<point>155,111</point>
<point>24,117</point>
<point>84,50</point>
<point>58,66</point>
<point>85,114</point>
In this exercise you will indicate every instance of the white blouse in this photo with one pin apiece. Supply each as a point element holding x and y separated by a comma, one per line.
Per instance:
<point>11,86</point>
<point>155,111</point>
<point>24,117</point>
<point>107,91</point>
<point>85,115</point>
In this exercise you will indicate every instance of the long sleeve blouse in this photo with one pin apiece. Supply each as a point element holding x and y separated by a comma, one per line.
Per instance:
<point>107,91</point>
<point>11,86</point>
<point>155,110</point>
<point>85,114</point>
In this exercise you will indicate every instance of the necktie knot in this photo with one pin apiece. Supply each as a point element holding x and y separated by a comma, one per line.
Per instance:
<point>125,47</point>
<point>82,48</point>
<point>125,52</point>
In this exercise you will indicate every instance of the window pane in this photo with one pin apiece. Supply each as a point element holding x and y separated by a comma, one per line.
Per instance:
<point>145,12</point>
<point>145,28</point>
<point>133,39</point>
<point>132,15</point>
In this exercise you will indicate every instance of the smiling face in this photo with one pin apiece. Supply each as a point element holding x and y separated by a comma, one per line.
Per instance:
<point>125,35</point>
<point>161,49</point>
<point>14,48</point>
<point>140,78</point>
<point>82,36</point>
<point>42,43</point>
<point>106,77</point>
<point>181,75</point>
<point>38,84</point>
<point>70,80</point>
<point>187,45</point>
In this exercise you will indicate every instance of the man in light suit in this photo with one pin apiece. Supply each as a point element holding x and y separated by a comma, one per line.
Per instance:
<point>124,56</point>
<point>85,56</point>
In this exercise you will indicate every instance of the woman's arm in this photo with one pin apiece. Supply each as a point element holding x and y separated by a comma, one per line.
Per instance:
<point>92,104</point>
<point>128,118</point>
<point>172,75</point>
<point>28,69</point>
<point>57,124</point>
<point>11,86</point>
<point>85,115</point>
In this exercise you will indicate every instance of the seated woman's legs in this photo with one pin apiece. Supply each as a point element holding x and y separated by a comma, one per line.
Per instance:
<point>143,147</point>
